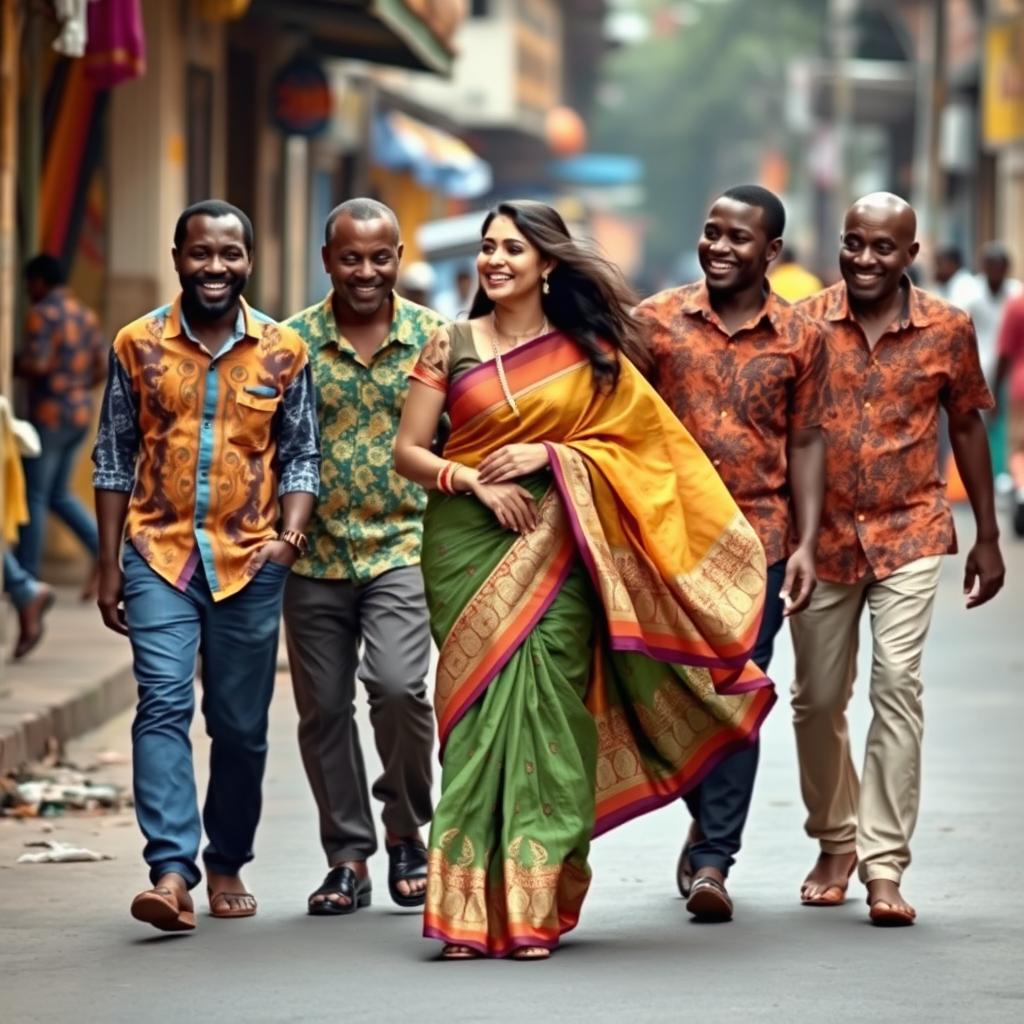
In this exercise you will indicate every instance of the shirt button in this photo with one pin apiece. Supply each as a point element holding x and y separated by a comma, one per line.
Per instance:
<point>723,414</point>
<point>718,462</point>
<point>860,518</point>
<point>867,405</point>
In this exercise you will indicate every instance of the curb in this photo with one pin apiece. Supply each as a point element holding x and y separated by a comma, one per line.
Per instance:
<point>31,714</point>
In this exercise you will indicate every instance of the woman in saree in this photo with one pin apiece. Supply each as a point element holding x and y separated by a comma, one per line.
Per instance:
<point>594,592</point>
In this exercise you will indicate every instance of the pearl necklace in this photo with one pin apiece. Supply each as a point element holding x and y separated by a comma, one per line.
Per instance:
<point>499,365</point>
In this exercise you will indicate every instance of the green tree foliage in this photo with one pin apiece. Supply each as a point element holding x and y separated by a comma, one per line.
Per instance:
<point>699,102</point>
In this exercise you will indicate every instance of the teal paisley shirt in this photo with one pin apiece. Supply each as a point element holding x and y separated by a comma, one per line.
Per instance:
<point>368,519</point>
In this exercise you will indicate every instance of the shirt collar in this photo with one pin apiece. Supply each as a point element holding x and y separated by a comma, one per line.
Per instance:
<point>913,314</point>
<point>400,311</point>
<point>245,324</point>
<point>699,304</point>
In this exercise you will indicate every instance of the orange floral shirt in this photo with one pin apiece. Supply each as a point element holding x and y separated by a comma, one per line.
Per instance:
<point>885,501</point>
<point>740,396</point>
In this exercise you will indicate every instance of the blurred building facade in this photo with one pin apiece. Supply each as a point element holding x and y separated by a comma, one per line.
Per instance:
<point>233,98</point>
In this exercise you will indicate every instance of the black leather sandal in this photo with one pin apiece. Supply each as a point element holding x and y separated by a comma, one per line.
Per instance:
<point>407,862</point>
<point>340,881</point>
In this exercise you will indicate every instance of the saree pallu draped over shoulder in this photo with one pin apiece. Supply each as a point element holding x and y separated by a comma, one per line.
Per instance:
<point>591,670</point>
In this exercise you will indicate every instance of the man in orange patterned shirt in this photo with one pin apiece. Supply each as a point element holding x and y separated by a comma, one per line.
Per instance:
<point>208,437</point>
<point>897,355</point>
<point>744,371</point>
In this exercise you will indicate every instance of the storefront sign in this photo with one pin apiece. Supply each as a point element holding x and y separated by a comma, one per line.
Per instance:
<point>1004,83</point>
<point>300,98</point>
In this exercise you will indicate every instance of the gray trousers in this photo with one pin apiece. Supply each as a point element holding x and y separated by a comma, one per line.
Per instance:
<point>325,622</point>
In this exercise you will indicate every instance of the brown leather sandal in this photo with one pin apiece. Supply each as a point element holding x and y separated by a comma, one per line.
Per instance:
<point>227,910</point>
<point>160,908</point>
<point>709,900</point>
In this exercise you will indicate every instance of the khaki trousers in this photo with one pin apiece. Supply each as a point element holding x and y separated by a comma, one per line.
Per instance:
<point>874,816</point>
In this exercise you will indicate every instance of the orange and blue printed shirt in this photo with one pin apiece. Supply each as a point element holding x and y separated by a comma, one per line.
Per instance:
<point>206,444</point>
<point>63,359</point>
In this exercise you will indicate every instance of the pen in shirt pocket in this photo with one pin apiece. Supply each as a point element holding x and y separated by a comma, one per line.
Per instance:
<point>260,390</point>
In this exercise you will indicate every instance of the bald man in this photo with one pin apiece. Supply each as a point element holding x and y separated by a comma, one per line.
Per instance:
<point>897,354</point>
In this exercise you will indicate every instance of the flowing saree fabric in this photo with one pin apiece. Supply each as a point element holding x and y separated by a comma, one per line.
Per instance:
<point>592,669</point>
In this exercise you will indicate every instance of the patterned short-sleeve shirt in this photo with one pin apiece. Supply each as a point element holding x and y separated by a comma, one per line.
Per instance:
<point>368,519</point>
<point>206,445</point>
<point>64,358</point>
<point>739,395</point>
<point>885,502</point>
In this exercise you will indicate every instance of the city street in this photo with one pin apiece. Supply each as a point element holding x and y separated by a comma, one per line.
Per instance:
<point>70,952</point>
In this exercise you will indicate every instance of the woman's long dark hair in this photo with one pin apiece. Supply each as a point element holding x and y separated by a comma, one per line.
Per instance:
<point>589,298</point>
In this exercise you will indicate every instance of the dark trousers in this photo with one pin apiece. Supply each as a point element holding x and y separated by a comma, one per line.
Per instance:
<point>237,638</point>
<point>719,805</point>
<point>326,623</point>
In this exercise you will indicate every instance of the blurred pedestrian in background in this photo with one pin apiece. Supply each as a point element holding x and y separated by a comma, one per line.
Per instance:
<point>790,280</point>
<point>953,281</point>
<point>896,355</point>
<point>1010,383</point>
<point>63,359</point>
<point>993,288</point>
<point>745,373</point>
<point>417,282</point>
<point>455,302</point>
<point>31,598</point>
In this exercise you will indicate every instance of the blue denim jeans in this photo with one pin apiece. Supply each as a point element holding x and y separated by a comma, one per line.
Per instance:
<point>17,583</point>
<point>237,641</point>
<point>721,802</point>
<point>47,482</point>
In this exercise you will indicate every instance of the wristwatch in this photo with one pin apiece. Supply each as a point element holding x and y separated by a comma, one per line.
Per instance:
<point>296,538</point>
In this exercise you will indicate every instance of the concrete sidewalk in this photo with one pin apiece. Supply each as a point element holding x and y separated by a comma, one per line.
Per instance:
<point>75,680</point>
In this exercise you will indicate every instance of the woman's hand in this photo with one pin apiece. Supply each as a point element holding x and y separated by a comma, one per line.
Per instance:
<point>513,506</point>
<point>511,462</point>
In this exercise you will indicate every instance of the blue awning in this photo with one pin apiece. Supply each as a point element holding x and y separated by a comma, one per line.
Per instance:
<point>437,159</point>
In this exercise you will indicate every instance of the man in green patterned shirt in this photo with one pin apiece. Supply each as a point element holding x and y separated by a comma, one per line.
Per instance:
<point>359,581</point>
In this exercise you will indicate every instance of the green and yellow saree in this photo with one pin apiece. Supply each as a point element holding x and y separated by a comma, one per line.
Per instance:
<point>591,670</point>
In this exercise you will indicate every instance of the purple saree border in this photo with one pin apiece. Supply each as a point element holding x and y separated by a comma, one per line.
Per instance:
<point>637,645</point>
<point>465,381</point>
<point>652,803</point>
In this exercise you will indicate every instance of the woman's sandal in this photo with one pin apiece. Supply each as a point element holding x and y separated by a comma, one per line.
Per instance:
<point>407,862</point>
<point>340,881</point>
<point>160,908</point>
<point>220,904</point>
<point>451,951</point>
<point>531,953</point>
<point>834,895</point>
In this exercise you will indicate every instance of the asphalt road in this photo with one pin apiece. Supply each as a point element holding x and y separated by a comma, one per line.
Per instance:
<point>69,951</point>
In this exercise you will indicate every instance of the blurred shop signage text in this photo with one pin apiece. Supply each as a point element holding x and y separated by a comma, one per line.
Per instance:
<point>300,97</point>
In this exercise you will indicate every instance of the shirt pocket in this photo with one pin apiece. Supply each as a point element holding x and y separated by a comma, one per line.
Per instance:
<point>253,416</point>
